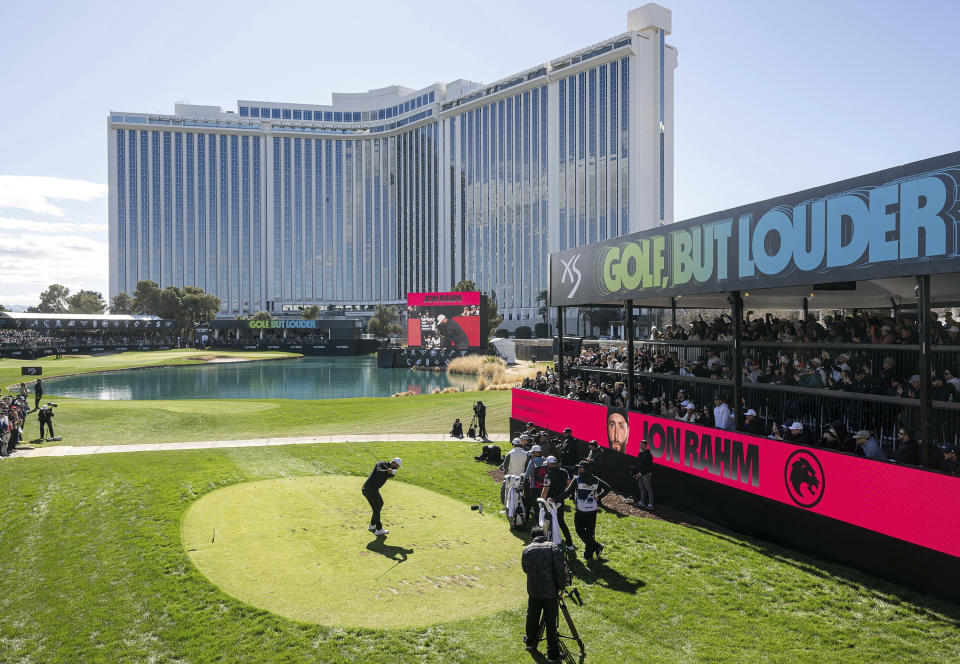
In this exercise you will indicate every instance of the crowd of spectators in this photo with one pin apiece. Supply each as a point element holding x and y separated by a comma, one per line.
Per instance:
<point>670,382</point>
<point>40,339</point>
<point>859,327</point>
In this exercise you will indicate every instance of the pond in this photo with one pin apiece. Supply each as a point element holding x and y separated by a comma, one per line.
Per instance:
<point>303,378</point>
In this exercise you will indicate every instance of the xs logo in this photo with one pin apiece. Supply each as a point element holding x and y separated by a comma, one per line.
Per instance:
<point>569,270</point>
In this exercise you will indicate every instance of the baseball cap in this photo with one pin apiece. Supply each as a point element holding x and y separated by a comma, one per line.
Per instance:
<point>517,441</point>
<point>796,426</point>
<point>551,459</point>
<point>863,433</point>
<point>689,405</point>
<point>398,461</point>
<point>751,412</point>
<point>524,437</point>
<point>592,442</point>
<point>536,448</point>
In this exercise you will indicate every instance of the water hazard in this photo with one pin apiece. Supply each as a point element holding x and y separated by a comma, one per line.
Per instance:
<point>304,378</point>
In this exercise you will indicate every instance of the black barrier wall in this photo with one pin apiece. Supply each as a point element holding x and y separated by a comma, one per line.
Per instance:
<point>913,566</point>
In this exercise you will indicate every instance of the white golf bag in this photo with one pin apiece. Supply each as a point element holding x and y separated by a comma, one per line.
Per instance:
<point>512,497</point>
<point>548,520</point>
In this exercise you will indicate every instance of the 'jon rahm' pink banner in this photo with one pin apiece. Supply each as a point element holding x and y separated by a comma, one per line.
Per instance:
<point>907,503</point>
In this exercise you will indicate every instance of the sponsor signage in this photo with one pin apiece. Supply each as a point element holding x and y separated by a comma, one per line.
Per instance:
<point>882,497</point>
<point>281,324</point>
<point>899,222</point>
<point>85,324</point>
<point>31,371</point>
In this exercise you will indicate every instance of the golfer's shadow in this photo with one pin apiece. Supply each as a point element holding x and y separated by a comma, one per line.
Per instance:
<point>396,553</point>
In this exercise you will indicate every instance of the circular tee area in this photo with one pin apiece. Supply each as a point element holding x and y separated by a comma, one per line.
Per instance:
<point>300,548</point>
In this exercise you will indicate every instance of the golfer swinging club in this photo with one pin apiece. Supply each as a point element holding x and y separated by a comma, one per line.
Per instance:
<point>371,491</point>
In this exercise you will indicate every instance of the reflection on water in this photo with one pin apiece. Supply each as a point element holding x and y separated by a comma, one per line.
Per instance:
<point>305,378</point>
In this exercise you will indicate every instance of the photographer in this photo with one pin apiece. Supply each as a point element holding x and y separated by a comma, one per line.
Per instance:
<point>45,416</point>
<point>543,563</point>
<point>481,412</point>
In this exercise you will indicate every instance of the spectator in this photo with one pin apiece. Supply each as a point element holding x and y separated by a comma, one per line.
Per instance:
<point>869,446</point>
<point>752,424</point>
<point>721,413</point>
<point>908,451</point>
<point>644,476</point>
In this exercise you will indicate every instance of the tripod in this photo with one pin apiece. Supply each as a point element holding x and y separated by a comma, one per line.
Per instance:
<point>473,426</point>
<point>574,635</point>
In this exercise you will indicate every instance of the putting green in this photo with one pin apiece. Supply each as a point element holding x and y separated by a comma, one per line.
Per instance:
<point>300,548</point>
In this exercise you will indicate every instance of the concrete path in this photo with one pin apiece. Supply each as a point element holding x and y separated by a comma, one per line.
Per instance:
<point>68,450</point>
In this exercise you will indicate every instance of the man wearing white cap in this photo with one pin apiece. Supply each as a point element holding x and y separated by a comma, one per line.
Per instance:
<point>689,411</point>
<point>752,425</point>
<point>453,335</point>
<point>515,463</point>
<point>381,472</point>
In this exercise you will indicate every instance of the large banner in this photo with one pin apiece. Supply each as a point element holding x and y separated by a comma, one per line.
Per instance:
<point>453,322</point>
<point>899,222</point>
<point>897,501</point>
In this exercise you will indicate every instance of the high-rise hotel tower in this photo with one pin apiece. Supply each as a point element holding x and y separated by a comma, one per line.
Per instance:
<point>397,190</point>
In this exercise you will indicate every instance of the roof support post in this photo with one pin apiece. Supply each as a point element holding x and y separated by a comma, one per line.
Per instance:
<point>923,330</point>
<point>559,367</point>
<point>630,375</point>
<point>673,312</point>
<point>736,313</point>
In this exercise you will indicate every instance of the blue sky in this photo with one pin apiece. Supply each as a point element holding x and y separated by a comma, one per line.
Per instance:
<point>771,97</point>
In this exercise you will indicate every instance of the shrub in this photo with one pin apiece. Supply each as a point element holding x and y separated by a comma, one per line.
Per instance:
<point>542,330</point>
<point>502,332</point>
<point>524,332</point>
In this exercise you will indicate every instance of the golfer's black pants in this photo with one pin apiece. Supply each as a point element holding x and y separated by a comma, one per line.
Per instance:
<point>586,525</point>
<point>546,609</point>
<point>48,424</point>
<point>376,504</point>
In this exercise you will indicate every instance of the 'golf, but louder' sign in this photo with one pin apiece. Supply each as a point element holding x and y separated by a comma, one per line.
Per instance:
<point>31,371</point>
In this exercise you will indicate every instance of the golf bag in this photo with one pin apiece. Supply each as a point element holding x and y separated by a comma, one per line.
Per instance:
<point>548,520</point>
<point>511,494</point>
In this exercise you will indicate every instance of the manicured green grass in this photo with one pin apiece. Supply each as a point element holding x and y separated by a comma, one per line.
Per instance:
<point>93,422</point>
<point>96,422</point>
<point>92,569</point>
<point>439,562</point>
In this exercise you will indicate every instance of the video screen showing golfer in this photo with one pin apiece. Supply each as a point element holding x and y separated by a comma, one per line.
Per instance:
<point>381,472</point>
<point>618,429</point>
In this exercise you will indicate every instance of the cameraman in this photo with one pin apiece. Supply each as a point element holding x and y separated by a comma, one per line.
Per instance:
<point>481,412</point>
<point>567,451</point>
<point>45,417</point>
<point>543,563</point>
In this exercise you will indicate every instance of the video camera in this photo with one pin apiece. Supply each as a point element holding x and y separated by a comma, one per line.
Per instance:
<point>476,409</point>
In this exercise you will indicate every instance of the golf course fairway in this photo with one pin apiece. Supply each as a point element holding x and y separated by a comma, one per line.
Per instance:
<point>300,548</point>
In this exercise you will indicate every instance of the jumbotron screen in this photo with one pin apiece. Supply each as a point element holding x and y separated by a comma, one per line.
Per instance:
<point>452,322</point>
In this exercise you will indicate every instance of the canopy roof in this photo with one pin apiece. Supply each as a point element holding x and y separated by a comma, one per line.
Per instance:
<point>855,243</point>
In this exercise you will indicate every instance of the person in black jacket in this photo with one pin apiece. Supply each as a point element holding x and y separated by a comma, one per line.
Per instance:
<point>453,335</point>
<point>644,476</point>
<point>45,417</point>
<point>481,412</point>
<point>554,486</point>
<point>381,472</point>
<point>37,393</point>
<point>568,452</point>
<point>543,563</point>
<point>908,451</point>
<point>752,423</point>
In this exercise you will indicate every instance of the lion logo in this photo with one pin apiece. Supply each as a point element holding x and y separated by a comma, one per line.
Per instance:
<point>804,478</point>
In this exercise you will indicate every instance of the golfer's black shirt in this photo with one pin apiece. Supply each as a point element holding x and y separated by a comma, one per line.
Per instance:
<point>378,476</point>
<point>557,481</point>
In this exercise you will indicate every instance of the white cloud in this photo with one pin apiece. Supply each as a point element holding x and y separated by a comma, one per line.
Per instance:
<point>35,193</point>
<point>17,225</point>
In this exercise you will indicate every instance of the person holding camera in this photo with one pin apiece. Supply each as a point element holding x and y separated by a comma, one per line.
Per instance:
<point>45,417</point>
<point>588,490</point>
<point>543,563</point>
<point>481,412</point>
<point>381,472</point>
<point>567,451</point>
